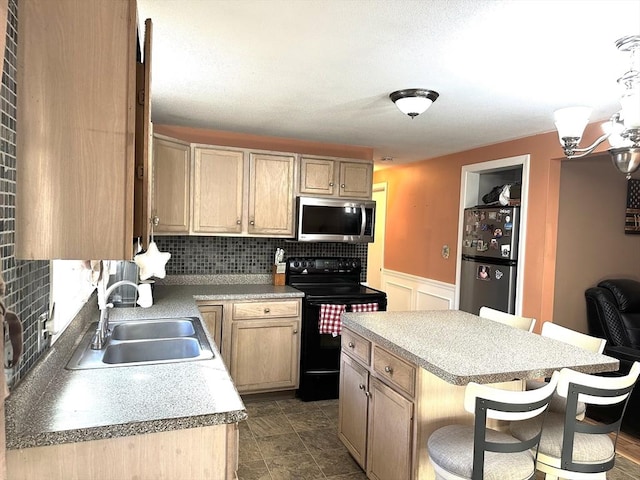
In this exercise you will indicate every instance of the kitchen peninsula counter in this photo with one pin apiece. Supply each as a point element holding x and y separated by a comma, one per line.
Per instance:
<point>403,375</point>
<point>53,406</point>
<point>460,347</point>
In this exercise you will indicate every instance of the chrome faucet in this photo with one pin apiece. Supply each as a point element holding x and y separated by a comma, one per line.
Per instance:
<point>99,339</point>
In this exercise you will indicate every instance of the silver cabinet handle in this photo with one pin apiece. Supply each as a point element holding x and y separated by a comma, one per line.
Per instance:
<point>331,184</point>
<point>295,331</point>
<point>252,222</point>
<point>388,369</point>
<point>361,386</point>
<point>267,310</point>
<point>351,345</point>
<point>342,186</point>
<point>238,222</point>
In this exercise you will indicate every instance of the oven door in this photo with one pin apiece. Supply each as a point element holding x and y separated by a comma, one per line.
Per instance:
<point>320,353</point>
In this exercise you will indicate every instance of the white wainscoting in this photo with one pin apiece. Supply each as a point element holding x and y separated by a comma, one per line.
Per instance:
<point>409,292</point>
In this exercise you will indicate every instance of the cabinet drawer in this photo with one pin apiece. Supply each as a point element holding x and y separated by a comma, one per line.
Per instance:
<point>289,308</point>
<point>356,346</point>
<point>395,370</point>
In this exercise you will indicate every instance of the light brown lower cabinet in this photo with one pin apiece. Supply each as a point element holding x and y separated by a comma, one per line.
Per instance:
<point>389,407</point>
<point>375,422</point>
<point>354,399</point>
<point>205,452</point>
<point>389,439</point>
<point>212,316</point>
<point>261,344</point>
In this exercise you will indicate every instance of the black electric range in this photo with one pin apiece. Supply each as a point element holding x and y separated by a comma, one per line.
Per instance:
<point>325,281</point>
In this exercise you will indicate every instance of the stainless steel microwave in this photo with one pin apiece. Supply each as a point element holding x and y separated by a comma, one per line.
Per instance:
<point>335,220</point>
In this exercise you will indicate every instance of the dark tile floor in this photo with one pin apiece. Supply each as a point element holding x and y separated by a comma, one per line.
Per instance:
<point>294,440</point>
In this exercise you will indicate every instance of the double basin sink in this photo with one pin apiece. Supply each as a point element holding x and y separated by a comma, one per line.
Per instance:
<point>143,342</point>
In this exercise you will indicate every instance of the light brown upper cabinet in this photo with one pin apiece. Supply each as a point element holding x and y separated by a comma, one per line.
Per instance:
<point>218,179</point>
<point>143,174</point>
<point>335,177</point>
<point>171,193</point>
<point>77,96</point>
<point>225,191</point>
<point>271,181</point>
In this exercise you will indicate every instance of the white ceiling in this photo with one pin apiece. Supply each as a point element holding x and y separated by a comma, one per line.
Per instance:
<point>323,69</point>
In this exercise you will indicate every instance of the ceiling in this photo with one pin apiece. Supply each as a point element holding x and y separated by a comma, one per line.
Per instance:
<point>322,70</point>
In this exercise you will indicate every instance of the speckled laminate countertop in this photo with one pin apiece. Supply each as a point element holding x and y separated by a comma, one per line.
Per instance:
<point>460,347</point>
<point>53,405</point>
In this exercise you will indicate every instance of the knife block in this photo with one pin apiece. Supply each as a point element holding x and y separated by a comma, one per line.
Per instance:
<point>278,274</point>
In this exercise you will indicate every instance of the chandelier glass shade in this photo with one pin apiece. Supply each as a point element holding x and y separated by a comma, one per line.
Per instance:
<point>623,128</point>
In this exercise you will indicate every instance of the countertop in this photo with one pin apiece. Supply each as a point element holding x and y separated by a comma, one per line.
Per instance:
<point>53,405</point>
<point>460,347</point>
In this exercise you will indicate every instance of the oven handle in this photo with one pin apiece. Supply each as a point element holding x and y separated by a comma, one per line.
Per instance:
<point>348,303</point>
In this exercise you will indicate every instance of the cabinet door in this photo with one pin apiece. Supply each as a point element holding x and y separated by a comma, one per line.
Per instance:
<point>353,405</point>
<point>217,198</point>
<point>171,185</point>
<point>271,195</point>
<point>356,179</point>
<point>76,80</point>
<point>389,446</point>
<point>143,176</point>
<point>212,316</point>
<point>265,355</point>
<point>317,176</point>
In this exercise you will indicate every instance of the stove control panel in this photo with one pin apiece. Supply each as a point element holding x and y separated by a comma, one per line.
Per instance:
<point>323,264</point>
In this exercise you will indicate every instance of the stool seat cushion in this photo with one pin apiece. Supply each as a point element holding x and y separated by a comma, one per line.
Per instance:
<point>587,448</point>
<point>451,448</point>
<point>557,403</point>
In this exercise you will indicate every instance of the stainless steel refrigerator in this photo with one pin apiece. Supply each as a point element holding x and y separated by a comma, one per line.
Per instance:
<point>489,258</point>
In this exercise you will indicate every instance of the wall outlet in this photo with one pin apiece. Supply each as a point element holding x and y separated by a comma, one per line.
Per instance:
<point>42,332</point>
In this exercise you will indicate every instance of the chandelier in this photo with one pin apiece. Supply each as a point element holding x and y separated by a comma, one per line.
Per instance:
<point>623,128</point>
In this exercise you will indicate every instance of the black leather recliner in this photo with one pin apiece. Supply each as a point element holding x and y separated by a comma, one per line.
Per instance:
<point>613,313</point>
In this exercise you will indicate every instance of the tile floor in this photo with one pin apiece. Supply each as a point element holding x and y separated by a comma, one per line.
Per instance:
<point>294,440</point>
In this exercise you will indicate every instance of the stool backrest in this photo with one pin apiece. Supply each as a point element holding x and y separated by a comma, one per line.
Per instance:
<point>579,339</point>
<point>523,323</point>
<point>489,402</point>
<point>596,390</point>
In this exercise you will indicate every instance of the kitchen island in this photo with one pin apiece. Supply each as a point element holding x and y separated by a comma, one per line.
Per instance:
<point>170,420</point>
<point>403,375</point>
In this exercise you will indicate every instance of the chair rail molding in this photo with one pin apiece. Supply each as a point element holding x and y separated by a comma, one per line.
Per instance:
<point>410,292</point>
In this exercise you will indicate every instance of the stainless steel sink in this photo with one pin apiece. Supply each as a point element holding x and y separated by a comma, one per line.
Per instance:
<point>143,342</point>
<point>149,329</point>
<point>151,350</point>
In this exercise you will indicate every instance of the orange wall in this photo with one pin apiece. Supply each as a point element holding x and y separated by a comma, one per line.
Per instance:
<point>422,214</point>
<point>245,140</point>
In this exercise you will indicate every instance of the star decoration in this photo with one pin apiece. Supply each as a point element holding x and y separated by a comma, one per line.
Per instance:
<point>152,262</point>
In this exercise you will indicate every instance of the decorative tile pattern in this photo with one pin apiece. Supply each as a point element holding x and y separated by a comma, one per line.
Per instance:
<point>194,255</point>
<point>27,281</point>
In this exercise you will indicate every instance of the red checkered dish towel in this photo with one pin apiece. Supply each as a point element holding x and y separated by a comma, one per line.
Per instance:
<point>330,321</point>
<point>364,307</point>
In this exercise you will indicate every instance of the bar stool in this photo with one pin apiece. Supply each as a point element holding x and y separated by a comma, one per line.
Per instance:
<point>523,323</point>
<point>578,339</point>
<point>477,452</point>
<point>571,448</point>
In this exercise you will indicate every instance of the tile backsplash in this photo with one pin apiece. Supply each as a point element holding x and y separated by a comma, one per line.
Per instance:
<point>244,255</point>
<point>27,281</point>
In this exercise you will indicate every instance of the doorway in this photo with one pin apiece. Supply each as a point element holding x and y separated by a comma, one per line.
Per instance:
<point>471,190</point>
<point>375,252</point>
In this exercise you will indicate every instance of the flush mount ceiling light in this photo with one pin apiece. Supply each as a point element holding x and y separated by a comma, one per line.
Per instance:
<point>413,101</point>
<point>623,128</point>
